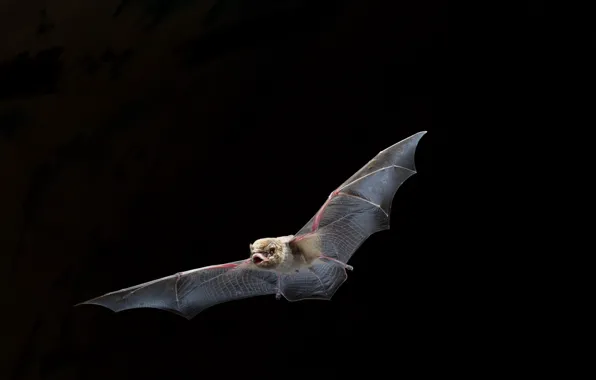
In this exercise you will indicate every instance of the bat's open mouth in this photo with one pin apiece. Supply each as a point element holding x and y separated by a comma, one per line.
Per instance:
<point>258,258</point>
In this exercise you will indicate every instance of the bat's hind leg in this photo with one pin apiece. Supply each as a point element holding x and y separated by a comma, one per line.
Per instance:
<point>344,265</point>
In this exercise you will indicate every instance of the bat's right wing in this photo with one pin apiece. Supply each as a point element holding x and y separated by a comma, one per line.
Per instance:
<point>358,208</point>
<point>361,205</point>
<point>188,293</point>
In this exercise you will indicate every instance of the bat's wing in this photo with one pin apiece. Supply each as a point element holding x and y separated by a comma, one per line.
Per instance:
<point>188,293</point>
<point>361,206</point>
<point>320,281</point>
<point>358,208</point>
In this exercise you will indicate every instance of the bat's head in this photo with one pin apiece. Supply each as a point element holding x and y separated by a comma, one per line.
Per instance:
<point>270,252</point>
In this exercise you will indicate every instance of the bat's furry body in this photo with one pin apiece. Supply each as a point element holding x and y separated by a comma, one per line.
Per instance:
<point>308,265</point>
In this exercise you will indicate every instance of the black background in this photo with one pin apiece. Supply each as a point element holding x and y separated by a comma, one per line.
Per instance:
<point>142,138</point>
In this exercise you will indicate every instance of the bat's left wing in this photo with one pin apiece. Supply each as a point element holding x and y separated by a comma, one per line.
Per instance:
<point>358,208</point>
<point>190,292</point>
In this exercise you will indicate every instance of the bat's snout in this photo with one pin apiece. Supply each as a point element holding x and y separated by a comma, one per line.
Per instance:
<point>258,258</point>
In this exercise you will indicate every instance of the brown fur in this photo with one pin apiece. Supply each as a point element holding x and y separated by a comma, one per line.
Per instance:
<point>281,258</point>
<point>307,248</point>
<point>288,254</point>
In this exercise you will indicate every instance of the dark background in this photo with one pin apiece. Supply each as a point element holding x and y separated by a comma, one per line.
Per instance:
<point>141,138</point>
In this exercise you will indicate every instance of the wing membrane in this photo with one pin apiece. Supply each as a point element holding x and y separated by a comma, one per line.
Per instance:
<point>361,206</point>
<point>188,293</point>
<point>320,281</point>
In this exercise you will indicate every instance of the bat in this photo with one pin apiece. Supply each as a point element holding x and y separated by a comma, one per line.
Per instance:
<point>311,264</point>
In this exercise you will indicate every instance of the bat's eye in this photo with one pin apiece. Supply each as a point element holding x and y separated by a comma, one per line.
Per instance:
<point>271,250</point>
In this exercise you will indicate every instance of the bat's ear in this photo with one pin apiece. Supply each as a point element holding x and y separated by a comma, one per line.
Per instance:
<point>251,247</point>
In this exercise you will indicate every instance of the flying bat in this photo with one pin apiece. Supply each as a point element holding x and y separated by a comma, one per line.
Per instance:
<point>311,264</point>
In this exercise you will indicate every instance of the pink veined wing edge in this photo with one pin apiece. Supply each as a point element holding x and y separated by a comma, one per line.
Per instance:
<point>413,141</point>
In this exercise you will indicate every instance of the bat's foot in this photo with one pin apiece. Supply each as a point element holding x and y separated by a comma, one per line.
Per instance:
<point>278,296</point>
<point>344,265</point>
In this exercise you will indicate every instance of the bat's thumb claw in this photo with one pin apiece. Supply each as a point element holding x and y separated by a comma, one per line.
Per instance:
<point>278,296</point>
<point>349,267</point>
